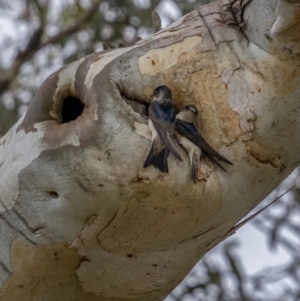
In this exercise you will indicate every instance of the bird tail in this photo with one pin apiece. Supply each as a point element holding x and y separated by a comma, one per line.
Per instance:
<point>194,161</point>
<point>159,161</point>
<point>216,162</point>
<point>209,150</point>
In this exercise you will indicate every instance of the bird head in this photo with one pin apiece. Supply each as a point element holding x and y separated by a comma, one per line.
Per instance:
<point>192,109</point>
<point>162,92</point>
<point>188,114</point>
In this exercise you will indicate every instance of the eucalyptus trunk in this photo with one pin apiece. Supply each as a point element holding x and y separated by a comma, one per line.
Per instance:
<point>81,219</point>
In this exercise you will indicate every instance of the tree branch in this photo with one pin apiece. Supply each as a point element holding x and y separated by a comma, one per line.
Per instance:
<point>75,27</point>
<point>34,45</point>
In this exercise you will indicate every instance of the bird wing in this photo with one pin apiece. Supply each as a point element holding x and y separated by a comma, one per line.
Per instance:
<point>163,120</point>
<point>189,131</point>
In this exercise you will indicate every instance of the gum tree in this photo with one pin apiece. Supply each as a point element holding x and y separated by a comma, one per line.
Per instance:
<point>80,217</point>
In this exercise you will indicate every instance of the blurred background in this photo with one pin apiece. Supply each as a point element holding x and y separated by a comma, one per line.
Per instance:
<point>261,262</point>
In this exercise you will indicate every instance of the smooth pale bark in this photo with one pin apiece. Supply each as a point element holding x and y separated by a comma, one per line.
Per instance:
<point>80,217</point>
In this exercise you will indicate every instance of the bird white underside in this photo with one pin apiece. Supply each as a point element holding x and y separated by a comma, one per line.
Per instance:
<point>152,130</point>
<point>190,147</point>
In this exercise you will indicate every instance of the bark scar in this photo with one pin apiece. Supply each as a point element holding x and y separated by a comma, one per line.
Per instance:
<point>264,157</point>
<point>233,12</point>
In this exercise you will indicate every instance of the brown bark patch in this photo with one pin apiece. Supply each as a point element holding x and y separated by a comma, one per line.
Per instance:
<point>43,273</point>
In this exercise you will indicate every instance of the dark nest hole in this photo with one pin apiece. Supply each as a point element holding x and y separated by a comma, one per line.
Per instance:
<point>53,194</point>
<point>72,108</point>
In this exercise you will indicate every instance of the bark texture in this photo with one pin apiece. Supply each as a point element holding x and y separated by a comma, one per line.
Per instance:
<point>80,217</point>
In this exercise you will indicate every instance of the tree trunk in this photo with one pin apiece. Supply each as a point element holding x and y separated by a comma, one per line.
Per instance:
<point>81,219</point>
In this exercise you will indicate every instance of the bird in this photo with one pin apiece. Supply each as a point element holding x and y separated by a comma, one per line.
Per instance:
<point>192,141</point>
<point>161,123</point>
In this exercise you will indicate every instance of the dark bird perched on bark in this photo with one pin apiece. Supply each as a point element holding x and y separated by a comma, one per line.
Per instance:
<point>156,20</point>
<point>192,141</point>
<point>161,123</point>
